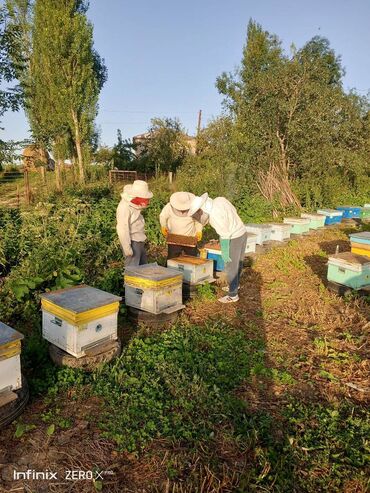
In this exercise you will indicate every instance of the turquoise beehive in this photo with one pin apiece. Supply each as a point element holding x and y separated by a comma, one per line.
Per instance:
<point>349,269</point>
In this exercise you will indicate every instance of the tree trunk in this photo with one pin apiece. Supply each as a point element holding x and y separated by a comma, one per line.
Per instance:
<point>58,177</point>
<point>78,148</point>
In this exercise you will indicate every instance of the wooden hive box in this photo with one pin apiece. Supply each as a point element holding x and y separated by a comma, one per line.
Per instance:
<point>181,240</point>
<point>263,232</point>
<point>349,270</point>
<point>333,216</point>
<point>195,270</point>
<point>280,231</point>
<point>79,318</point>
<point>153,288</point>
<point>299,225</point>
<point>10,363</point>
<point>316,220</point>
<point>350,211</point>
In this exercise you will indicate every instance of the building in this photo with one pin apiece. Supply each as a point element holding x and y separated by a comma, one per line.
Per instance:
<point>140,141</point>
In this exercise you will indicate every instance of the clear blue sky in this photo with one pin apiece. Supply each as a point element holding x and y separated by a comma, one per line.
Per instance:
<point>164,56</point>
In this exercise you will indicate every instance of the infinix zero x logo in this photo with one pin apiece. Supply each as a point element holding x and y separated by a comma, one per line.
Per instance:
<point>69,475</point>
<point>38,475</point>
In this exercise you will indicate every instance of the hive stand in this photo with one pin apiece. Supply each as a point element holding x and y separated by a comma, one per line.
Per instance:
<point>342,290</point>
<point>94,357</point>
<point>11,409</point>
<point>150,319</point>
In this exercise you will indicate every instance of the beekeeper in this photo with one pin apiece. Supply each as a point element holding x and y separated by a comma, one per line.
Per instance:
<point>174,219</point>
<point>130,222</point>
<point>224,218</point>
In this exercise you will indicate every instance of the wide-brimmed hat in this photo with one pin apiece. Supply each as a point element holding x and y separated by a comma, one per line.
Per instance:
<point>182,200</point>
<point>197,204</point>
<point>139,188</point>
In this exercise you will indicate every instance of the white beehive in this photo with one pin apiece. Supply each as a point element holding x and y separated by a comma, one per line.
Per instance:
<point>280,231</point>
<point>263,232</point>
<point>10,363</point>
<point>153,288</point>
<point>250,247</point>
<point>79,318</point>
<point>195,270</point>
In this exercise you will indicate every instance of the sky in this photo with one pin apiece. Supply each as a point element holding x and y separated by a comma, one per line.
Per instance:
<point>163,56</point>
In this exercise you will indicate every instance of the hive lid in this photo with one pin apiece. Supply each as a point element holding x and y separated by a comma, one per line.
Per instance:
<point>312,215</point>
<point>365,235</point>
<point>296,220</point>
<point>351,258</point>
<point>79,299</point>
<point>187,259</point>
<point>330,212</point>
<point>7,334</point>
<point>258,226</point>
<point>348,207</point>
<point>280,225</point>
<point>152,272</point>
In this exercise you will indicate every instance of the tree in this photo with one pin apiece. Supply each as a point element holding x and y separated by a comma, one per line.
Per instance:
<point>165,148</point>
<point>289,115</point>
<point>123,154</point>
<point>9,98</point>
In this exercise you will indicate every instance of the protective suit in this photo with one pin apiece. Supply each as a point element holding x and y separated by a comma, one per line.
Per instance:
<point>131,223</point>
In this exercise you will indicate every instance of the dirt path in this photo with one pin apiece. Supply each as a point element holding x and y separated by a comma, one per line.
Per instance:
<point>314,345</point>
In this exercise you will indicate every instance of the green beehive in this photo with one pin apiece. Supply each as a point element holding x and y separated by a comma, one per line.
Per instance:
<point>365,212</point>
<point>300,225</point>
<point>316,220</point>
<point>349,269</point>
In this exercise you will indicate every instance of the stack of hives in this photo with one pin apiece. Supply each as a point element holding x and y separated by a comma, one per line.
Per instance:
<point>153,288</point>
<point>360,243</point>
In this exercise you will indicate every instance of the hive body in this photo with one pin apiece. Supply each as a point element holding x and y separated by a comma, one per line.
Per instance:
<point>10,363</point>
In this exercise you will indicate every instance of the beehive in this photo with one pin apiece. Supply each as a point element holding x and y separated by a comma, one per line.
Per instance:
<point>153,288</point>
<point>181,240</point>
<point>316,220</point>
<point>280,231</point>
<point>360,243</point>
<point>263,232</point>
<point>367,206</point>
<point>365,212</point>
<point>332,216</point>
<point>349,270</point>
<point>299,225</point>
<point>349,211</point>
<point>212,251</point>
<point>250,246</point>
<point>10,363</point>
<point>195,270</point>
<point>79,318</point>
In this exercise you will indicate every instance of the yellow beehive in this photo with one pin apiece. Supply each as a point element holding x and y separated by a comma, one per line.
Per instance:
<point>10,363</point>
<point>79,318</point>
<point>153,288</point>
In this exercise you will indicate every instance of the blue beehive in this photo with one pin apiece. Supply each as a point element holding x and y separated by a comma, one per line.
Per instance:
<point>333,216</point>
<point>363,238</point>
<point>218,260</point>
<point>349,211</point>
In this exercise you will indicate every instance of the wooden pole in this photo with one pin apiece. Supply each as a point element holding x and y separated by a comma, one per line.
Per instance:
<point>27,190</point>
<point>43,176</point>
<point>198,130</point>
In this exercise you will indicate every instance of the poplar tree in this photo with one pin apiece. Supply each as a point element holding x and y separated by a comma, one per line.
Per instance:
<point>67,75</point>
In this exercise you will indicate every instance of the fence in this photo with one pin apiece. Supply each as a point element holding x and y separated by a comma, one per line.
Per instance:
<point>116,175</point>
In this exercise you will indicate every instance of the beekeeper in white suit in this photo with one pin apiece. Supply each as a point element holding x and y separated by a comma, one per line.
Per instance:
<point>174,219</point>
<point>224,218</point>
<point>131,223</point>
